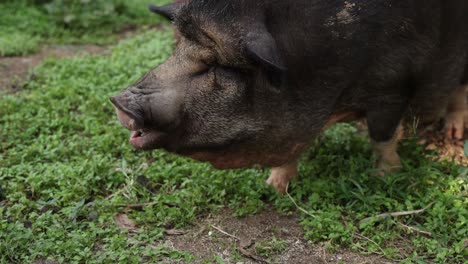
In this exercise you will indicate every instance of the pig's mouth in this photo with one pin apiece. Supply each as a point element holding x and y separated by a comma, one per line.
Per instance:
<point>140,137</point>
<point>146,139</point>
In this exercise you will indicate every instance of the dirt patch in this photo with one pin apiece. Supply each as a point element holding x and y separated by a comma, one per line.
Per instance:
<point>432,138</point>
<point>240,240</point>
<point>14,70</point>
<point>447,150</point>
<point>453,151</point>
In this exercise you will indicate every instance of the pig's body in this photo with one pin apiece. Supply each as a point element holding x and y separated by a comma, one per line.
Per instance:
<point>373,57</point>
<point>254,81</point>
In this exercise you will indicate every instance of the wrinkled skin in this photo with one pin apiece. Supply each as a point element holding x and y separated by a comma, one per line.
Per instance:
<point>252,82</point>
<point>231,133</point>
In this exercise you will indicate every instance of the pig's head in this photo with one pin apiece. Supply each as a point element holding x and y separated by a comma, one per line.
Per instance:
<point>222,95</point>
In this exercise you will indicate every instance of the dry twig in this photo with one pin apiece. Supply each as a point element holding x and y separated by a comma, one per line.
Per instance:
<point>370,240</point>
<point>417,230</point>
<point>241,249</point>
<point>135,206</point>
<point>395,214</point>
<point>141,205</point>
<point>224,232</point>
<point>297,206</point>
<point>382,252</point>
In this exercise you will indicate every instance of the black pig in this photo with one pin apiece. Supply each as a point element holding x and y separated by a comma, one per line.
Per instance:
<point>252,82</point>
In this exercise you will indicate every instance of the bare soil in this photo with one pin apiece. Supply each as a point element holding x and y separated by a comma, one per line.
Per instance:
<point>447,150</point>
<point>14,71</point>
<point>235,241</point>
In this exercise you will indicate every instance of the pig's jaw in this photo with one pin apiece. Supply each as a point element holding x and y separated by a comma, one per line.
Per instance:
<point>244,157</point>
<point>140,138</point>
<point>146,139</point>
<point>232,156</point>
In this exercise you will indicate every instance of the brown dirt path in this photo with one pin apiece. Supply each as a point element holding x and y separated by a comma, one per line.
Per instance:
<point>207,241</point>
<point>14,70</point>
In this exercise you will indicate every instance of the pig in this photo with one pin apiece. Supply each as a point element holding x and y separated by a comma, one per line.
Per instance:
<point>253,82</point>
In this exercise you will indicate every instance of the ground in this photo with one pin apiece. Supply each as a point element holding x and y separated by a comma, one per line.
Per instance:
<point>72,190</point>
<point>263,231</point>
<point>14,70</point>
<point>204,241</point>
<point>264,237</point>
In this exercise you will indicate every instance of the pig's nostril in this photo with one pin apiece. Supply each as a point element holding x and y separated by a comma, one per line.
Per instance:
<point>130,117</point>
<point>113,100</point>
<point>117,102</point>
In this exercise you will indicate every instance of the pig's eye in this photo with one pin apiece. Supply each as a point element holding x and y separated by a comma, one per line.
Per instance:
<point>212,73</point>
<point>207,68</point>
<point>210,62</point>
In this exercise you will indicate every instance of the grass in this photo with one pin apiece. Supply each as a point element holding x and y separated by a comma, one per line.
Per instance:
<point>65,165</point>
<point>25,27</point>
<point>18,44</point>
<point>270,247</point>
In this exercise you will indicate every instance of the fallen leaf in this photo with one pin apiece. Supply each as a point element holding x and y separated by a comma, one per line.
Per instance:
<point>245,243</point>
<point>175,232</point>
<point>122,221</point>
<point>431,147</point>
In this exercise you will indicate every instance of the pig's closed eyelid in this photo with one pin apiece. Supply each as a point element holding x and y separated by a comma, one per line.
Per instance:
<point>210,62</point>
<point>206,69</point>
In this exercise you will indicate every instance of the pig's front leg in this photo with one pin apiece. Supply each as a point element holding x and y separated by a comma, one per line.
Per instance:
<point>388,159</point>
<point>280,176</point>
<point>385,130</point>
<point>457,114</point>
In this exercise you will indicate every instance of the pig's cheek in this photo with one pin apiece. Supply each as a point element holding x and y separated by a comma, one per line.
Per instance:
<point>220,161</point>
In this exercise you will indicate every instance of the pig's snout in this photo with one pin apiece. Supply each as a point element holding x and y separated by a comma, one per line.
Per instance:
<point>158,110</point>
<point>128,117</point>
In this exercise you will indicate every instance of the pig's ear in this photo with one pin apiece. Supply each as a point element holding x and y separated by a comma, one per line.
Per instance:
<point>261,48</point>
<point>168,11</point>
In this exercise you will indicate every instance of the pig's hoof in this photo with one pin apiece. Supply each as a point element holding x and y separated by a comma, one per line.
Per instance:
<point>280,176</point>
<point>389,161</point>
<point>455,125</point>
<point>279,183</point>
<point>388,165</point>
